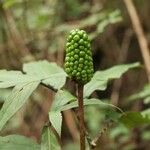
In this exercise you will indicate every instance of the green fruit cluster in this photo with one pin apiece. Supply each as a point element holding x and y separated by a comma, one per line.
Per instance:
<point>78,60</point>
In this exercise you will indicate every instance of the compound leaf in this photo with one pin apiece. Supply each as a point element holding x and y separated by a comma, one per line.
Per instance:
<point>134,119</point>
<point>49,73</point>
<point>101,78</point>
<point>15,101</point>
<point>17,142</point>
<point>49,139</point>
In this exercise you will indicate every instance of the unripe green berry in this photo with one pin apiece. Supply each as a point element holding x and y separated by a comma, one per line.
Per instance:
<point>85,37</point>
<point>80,65</point>
<point>67,70</point>
<point>74,72</point>
<point>71,64</point>
<point>81,47</point>
<point>68,44</point>
<point>82,53</point>
<point>71,59</point>
<point>79,69</point>
<point>81,42</point>
<point>75,45</point>
<point>76,56</point>
<point>78,61</point>
<point>77,51</point>
<point>76,38</point>
<point>73,32</point>
<point>67,58</point>
<point>72,53</point>
<point>78,74</point>
<point>81,60</point>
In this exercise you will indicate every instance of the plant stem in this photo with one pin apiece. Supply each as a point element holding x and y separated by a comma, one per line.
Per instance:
<point>81,117</point>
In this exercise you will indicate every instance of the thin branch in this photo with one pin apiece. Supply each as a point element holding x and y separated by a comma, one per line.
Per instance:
<point>140,34</point>
<point>96,140</point>
<point>81,117</point>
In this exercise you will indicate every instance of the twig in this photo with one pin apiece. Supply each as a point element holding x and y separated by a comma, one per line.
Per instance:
<point>96,140</point>
<point>140,34</point>
<point>81,117</point>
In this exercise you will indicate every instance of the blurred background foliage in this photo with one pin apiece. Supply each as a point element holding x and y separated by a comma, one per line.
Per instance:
<point>37,29</point>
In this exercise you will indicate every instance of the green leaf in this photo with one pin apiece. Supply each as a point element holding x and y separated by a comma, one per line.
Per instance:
<point>64,101</point>
<point>93,121</point>
<point>4,93</point>
<point>62,97</point>
<point>15,101</point>
<point>134,119</point>
<point>10,3</point>
<point>146,135</point>
<point>49,140</point>
<point>119,130</point>
<point>17,142</point>
<point>55,118</point>
<point>146,113</point>
<point>101,78</point>
<point>145,92</point>
<point>37,72</point>
<point>147,100</point>
<point>12,78</point>
<point>50,74</point>
<point>92,101</point>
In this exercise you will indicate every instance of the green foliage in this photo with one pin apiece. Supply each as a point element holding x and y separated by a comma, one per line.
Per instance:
<point>41,26</point>
<point>62,98</point>
<point>134,119</point>
<point>10,3</point>
<point>49,140</point>
<point>43,72</point>
<point>16,100</point>
<point>64,101</point>
<point>101,19</point>
<point>50,74</point>
<point>143,94</point>
<point>92,101</point>
<point>101,78</point>
<point>119,130</point>
<point>53,77</point>
<point>146,135</point>
<point>4,94</point>
<point>71,146</point>
<point>78,60</point>
<point>39,20</point>
<point>13,78</point>
<point>73,8</point>
<point>17,142</point>
<point>146,113</point>
<point>94,121</point>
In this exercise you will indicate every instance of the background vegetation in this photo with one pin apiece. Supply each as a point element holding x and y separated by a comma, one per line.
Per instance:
<point>32,30</point>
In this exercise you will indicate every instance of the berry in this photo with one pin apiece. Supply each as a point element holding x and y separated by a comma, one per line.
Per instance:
<point>78,61</point>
